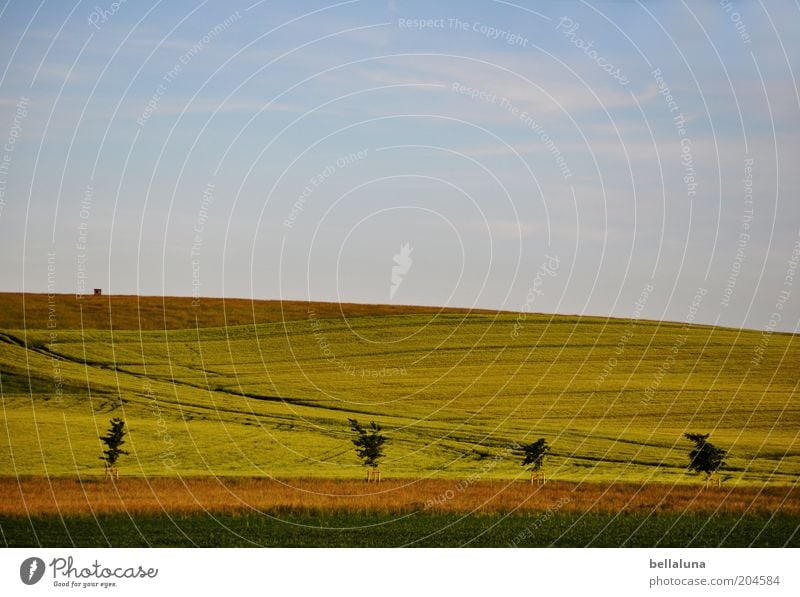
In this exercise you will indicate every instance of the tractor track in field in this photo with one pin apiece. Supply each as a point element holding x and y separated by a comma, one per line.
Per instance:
<point>43,350</point>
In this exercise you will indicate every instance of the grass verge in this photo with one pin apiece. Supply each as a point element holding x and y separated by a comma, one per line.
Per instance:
<point>413,530</point>
<point>37,496</point>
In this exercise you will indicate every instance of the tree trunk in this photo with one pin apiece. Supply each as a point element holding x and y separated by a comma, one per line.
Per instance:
<point>538,477</point>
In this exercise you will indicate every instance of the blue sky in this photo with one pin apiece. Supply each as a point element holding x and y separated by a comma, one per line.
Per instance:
<point>289,150</point>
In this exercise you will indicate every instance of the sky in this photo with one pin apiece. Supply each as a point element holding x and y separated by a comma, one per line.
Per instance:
<point>613,158</point>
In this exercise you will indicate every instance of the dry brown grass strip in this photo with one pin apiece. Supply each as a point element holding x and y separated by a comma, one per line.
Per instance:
<point>37,496</point>
<point>131,312</point>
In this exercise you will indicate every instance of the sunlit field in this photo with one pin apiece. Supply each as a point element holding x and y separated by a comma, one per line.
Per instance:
<point>239,410</point>
<point>452,390</point>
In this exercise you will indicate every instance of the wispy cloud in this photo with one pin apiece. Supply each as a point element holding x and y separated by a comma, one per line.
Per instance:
<point>50,71</point>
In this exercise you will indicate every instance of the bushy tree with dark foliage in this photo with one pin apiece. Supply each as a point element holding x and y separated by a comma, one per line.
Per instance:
<point>705,457</point>
<point>369,442</point>
<point>533,454</point>
<point>113,440</point>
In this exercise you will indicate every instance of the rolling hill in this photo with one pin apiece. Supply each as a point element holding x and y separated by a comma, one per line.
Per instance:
<point>240,388</point>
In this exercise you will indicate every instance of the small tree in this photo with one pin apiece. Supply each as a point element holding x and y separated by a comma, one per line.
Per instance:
<point>705,457</point>
<point>533,456</point>
<point>369,445</point>
<point>113,441</point>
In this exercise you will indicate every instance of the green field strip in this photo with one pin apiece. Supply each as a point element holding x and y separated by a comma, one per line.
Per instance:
<point>466,386</point>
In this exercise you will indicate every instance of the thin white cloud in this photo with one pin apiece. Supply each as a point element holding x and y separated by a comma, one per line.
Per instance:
<point>51,71</point>
<point>508,229</point>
